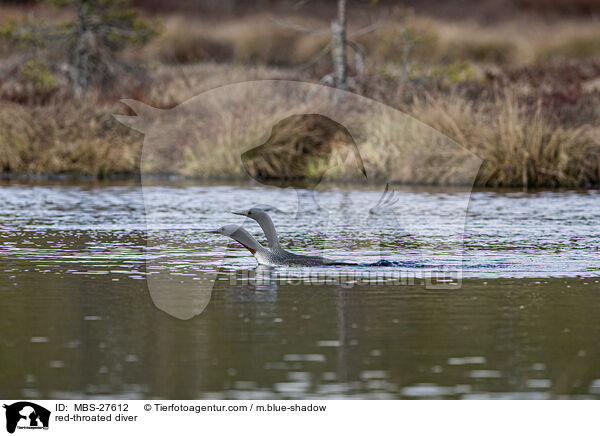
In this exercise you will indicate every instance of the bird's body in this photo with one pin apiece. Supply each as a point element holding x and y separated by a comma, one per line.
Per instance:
<point>300,260</point>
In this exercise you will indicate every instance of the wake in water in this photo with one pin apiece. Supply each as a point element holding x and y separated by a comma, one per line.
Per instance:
<point>419,265</point>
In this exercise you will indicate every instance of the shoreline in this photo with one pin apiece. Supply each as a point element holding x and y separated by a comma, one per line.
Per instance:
<point>179,181</point>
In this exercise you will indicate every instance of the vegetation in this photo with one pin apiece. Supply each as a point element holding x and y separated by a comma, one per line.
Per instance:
<point>80,49</point>
<point>524,98</point>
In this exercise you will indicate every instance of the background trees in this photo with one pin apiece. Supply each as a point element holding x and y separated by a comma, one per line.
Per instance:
<point>81,49</point>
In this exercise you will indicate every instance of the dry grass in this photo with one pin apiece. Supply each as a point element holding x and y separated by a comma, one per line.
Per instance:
<point>64,139</point>
<point>571,46</point>
<point>518,145</point>
<point>267,40</point>
<point>276,40</point>
<point>519,140</point>
<point>253,40</point>
<point>518,149</point>
<point>176,84</point>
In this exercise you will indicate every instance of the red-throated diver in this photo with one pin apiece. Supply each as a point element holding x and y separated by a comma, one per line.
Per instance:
<point>266,223</point>
<point>239,234</point>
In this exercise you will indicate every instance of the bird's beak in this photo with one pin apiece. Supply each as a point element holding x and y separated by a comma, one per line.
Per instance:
<point>239,212</point>
<point>211,231</point>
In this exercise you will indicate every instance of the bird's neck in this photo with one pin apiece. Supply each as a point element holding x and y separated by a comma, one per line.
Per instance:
<point>248,242</point>
<point>268,227</point>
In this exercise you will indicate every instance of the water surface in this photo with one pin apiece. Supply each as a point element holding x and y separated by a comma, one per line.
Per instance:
<point>76,318</point>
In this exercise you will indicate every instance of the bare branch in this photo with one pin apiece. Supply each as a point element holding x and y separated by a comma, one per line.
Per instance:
<point>316,58</point>
<point>328,79</point>
<point>365,30</point>
<point>359,57</point>
<point>297,27</point>
<point>299,4</point>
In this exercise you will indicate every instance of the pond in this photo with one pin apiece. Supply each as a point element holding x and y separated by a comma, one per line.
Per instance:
<point>520,320</point>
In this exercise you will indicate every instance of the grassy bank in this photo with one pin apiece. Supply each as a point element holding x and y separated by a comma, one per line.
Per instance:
<point>525,99</point>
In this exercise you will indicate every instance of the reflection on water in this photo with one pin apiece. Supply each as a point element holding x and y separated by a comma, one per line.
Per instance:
<point>76,318</point>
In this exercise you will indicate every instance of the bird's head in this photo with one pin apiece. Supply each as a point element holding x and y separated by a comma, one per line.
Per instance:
<point>227,230</point>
